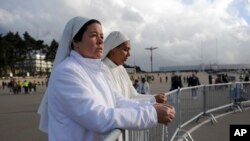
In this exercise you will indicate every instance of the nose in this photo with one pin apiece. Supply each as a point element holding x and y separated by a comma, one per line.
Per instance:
<point>100,40</point>
<point>128,53</point>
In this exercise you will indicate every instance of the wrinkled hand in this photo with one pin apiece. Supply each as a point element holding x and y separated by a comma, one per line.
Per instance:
<point>161,98</point>
<point>165,113</point>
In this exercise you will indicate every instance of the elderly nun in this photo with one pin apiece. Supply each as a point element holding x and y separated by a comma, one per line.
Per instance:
<point>116,52</point>
<point>79,104</point>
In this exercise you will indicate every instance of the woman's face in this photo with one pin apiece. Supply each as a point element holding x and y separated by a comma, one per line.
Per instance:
<point>91,45</point>
<point>120,54</point>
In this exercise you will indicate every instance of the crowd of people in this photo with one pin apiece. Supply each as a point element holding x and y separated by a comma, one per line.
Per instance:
<point>191,79</point>
<point>21,86</point>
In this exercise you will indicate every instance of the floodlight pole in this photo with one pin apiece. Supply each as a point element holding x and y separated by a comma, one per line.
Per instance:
<point>151,56</point>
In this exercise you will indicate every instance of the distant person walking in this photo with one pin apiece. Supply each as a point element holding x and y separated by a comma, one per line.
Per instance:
<point>246,77</point>
<point>194,81</point>
<point>26,86</point>
<point>175,82</point>
<point>143,87</point>
<point>166,79</point>
<point>210,79</point>
<point>136,84</point>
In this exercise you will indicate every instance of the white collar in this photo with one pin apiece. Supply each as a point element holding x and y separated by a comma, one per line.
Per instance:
<point>109,63</point>
<point>93,64</point>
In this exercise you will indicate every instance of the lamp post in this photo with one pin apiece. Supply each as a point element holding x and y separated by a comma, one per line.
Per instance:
<point>151,56</point>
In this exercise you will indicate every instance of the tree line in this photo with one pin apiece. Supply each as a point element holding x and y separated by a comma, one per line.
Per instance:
<point>15,49</point>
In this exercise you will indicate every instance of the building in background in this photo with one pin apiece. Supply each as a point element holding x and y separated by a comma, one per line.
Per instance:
<point>34,65</point>
<point>131,70</point>
<point>206,67</point>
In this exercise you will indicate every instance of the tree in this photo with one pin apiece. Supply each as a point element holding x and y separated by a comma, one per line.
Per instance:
<point>51,51</point>
<point>17,51</point>
<point>3,63</point>
<point>10,52</point>
<point>30,46</point>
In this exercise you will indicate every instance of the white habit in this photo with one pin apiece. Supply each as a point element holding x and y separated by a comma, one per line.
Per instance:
<point>119,75</point>
<point>79,104</point>
<point>82,105</point>
<point>123,84</point>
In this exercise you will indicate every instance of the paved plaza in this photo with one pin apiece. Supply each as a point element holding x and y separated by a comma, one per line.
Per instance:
<point>18,117</point>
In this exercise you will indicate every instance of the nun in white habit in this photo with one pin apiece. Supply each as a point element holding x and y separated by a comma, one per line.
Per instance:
<point>116,51</point>
<point>79,104</point>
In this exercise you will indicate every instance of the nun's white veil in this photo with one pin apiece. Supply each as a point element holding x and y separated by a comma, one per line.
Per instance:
<point>114,39</point>
<point>63,51</point>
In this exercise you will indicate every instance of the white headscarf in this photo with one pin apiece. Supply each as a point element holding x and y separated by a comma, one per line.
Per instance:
<point>113,40</point>
<point>63,51</point>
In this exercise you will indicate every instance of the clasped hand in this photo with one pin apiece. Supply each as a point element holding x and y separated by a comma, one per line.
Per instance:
<point>165,113</point>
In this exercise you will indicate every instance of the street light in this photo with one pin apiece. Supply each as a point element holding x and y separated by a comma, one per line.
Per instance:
<point>151,57</point>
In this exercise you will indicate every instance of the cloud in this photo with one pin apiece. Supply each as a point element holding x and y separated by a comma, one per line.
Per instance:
<point>131,15</point>
<point>187,32</point>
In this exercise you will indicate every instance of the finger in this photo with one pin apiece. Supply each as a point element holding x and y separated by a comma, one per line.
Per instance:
<point>171,116</point>
<point>168,120</point>
<point>169,106</point>
<point>171,113</point>
<point>161,93</point>
<point>166,98</point>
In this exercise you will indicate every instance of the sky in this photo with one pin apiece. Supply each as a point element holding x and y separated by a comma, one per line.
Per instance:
<point>186,32</point>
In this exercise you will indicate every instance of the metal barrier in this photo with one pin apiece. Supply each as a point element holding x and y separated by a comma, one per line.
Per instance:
<point>115,135</point>
<point>191,103</point>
